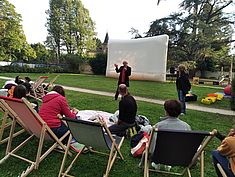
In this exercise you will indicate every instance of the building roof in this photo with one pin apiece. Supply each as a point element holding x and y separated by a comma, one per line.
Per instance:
<point>106,39</point>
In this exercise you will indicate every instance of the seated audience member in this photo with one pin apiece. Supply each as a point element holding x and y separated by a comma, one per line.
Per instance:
<point>54,104</point>
<point>169,121</point>
<point>27,84</point>
<point>9,84</point>
<point>127,112</point>
<point>18,80</point>
<point>20,91</point>
<point>225,155</point>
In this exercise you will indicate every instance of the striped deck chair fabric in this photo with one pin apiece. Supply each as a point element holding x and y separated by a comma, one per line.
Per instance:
<point>21,110</point>
<point>97,138</point>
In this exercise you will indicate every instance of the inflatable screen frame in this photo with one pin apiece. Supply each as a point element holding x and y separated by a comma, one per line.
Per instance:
<point>147,57</point>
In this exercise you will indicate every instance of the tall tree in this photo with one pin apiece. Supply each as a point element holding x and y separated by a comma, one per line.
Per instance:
<point>13,44</point>
<point>41,52</point>
<point>55,26</point>
<point>74,27</point>
<point>203,35</point>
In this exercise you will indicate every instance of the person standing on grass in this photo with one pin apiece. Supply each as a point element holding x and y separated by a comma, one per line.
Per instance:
<point>125,72</point>
<point>183,86</point>
<point>127,112</point>
<point>54,104</point>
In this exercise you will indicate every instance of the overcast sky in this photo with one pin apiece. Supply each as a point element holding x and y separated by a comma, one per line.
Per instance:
<point>112,16</point>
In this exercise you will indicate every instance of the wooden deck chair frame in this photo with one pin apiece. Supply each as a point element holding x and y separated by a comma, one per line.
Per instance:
<point>51,82</point>
<point>221,170</point>
<point>21,110</point>
<point>37,88</point>
<point>4,124</point>
<point>74,126</point>
<point>198,150</point>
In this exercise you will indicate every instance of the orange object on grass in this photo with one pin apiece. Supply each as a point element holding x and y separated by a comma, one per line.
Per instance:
<point>212,95</point>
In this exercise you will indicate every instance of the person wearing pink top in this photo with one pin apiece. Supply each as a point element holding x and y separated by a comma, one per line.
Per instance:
<point>54,103</point>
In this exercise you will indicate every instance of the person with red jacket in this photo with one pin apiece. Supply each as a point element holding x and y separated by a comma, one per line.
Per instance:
<point>54,103</point>
<point>125,72</point>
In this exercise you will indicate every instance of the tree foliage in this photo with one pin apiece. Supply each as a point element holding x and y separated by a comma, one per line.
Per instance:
<point>69,27</point>
<point>41,52</point>
<point>13,44</point>
<point>99,64</point>
<point>200,32</point>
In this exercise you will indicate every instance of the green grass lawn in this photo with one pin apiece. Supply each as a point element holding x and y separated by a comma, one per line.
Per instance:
<point>149,89</point>
<point>92,165</point>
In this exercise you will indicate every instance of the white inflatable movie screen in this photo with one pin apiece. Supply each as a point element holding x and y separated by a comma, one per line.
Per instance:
<point>147,57</point>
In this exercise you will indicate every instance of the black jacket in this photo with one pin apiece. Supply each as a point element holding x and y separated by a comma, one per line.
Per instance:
<point>127,74</point>
<point>127,109</point>
<point>182,83</point>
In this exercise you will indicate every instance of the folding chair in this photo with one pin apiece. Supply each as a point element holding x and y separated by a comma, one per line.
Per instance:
<point>95,135</point>
<point>177,148</point>
<point>221,170</point>
<point>21,110</point>
<point>5,123</point>
<point>37,88</point>
<point>51,82</point>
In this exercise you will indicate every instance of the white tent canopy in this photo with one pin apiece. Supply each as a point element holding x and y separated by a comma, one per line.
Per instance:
<point>146,56</point>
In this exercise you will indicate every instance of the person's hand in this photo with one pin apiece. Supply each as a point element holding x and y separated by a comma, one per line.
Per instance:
<point>101,119</point>
<point>59,116</point>
<point>115,65</point>
<point>74,110</point>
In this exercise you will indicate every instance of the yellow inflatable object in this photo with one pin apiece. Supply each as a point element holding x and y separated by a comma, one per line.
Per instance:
<point>213,99</point>
<point>208,100</point>
<point>220,96</point>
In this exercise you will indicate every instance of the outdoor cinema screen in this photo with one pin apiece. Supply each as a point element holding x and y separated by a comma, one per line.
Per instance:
<point>147,57</point>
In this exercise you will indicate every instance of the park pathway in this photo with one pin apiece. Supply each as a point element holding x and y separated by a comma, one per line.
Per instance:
<point>155,101</point>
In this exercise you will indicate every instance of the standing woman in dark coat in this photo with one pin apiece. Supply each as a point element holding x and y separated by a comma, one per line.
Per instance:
<point>125,72</point>
<point>183,86</point>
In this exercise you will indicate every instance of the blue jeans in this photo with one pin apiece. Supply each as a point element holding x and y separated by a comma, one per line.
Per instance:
<point>60,131</point>
<point>181,97</point>
<point>223,161</point>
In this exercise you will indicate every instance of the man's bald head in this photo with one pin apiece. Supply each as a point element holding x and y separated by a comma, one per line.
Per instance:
<point>125,63</point>
<point>123,89</point>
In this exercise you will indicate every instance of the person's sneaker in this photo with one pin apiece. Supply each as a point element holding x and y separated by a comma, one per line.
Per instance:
<point>182,114</point>
<point>155,166</point>
<point>167,168</point>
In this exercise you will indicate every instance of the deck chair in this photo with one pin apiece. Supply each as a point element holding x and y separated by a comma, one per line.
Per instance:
<point>177,148</point>
<point>50,84</point>
<point>5,123</point>
<point>95,135</point>
<point>21,110</point>
<point>221,170</point>
<point>37,88</point>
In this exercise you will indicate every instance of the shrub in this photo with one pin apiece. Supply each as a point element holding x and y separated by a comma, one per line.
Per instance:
<point>233,94</point>
<point>73,61</point>
<point>99,63</point>
<point>26,69</point>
